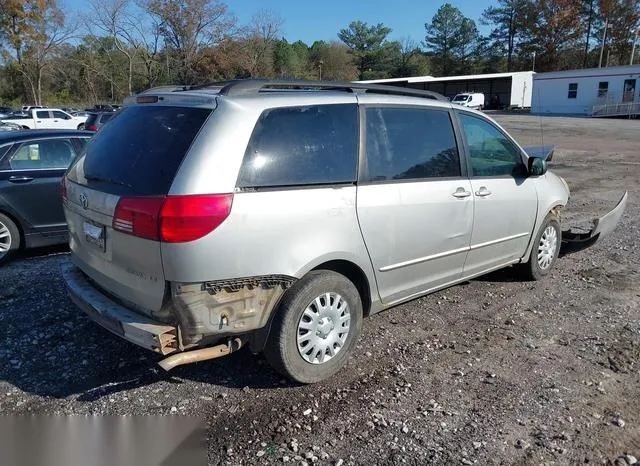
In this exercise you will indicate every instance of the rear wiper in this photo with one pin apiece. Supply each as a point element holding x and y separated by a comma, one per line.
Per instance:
<point>107,180</point>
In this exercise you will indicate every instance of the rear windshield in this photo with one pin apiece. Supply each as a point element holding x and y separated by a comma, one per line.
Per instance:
<point>140,150</point>
<point>91,119</point>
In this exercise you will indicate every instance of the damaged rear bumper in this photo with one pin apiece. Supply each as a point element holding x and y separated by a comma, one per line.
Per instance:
<point>125,323</point>
<point>602,227</point>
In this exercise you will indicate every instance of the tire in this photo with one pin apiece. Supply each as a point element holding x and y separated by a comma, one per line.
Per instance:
<point>542,258</point>
<point>80,127</point>
<point>9,238</point>
<point>304,300</point>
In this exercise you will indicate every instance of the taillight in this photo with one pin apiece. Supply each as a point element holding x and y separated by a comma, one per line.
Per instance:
<point>172,219</point>
<point>92,128</point>
<point>138,216</point>
<point>63,188</point>
<point>187,218</point>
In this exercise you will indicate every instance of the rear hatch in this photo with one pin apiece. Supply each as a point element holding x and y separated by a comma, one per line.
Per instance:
<point>90,123</point>
<point>112,196</point>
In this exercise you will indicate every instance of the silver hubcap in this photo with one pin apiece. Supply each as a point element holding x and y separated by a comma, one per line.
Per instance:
<point>547,247</point>
<point>5,239</point>
<point>323,328</point>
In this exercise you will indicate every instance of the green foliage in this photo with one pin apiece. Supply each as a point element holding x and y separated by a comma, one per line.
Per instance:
<point>451,37</point>
<point>137,44</point>
<point>369,47</point>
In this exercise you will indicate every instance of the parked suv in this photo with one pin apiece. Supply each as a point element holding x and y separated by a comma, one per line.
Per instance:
<point>204,220</point>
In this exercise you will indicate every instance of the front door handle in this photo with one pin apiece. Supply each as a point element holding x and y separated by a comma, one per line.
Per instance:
<point>461,193</point>
<point>20,179</point>
<point>483,192</point>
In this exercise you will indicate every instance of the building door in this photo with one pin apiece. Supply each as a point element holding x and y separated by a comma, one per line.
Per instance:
<point>629,92</point>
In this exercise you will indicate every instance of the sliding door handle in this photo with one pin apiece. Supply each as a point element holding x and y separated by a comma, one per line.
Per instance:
<point>483,192</point>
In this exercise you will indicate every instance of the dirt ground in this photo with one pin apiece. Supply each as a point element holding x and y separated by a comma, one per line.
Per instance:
<point>494,371</point>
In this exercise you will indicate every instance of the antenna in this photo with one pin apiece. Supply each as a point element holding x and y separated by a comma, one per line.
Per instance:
<point>539,117</point>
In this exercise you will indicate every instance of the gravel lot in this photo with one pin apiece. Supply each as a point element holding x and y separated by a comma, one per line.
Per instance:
<point>494,371</point>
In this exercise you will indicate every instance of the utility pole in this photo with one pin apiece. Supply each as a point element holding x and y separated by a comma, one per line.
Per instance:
<point>533,65</point>
<point>633,48</point>
<point>604,39</point>
<point>320,65</point>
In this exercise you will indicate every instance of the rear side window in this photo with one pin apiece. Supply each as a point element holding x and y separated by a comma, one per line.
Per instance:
<point>410,143</point>
<point>44,154</point>
<point>141,149</point>
<point>43,114</point>
<point>302,146</point>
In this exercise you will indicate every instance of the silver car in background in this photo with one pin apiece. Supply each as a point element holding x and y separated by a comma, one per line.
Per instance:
<point>278,214</point>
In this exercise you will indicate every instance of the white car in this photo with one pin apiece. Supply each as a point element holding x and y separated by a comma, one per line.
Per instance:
<point>48,118</point>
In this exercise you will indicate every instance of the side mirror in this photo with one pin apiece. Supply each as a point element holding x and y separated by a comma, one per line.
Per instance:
<point>537,166</point>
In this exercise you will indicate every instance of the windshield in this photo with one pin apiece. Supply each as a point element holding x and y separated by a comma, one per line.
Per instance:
<point>461,98</point>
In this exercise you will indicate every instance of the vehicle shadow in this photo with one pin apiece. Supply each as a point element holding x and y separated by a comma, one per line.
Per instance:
<point>89,370</point>
<point>506,275</point>
<point>51,349</point>
<point>40,252</point>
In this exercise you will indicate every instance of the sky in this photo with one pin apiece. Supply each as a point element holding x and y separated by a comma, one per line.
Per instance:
<point>321,20</point>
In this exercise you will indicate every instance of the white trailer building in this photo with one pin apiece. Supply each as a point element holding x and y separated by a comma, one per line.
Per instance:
<point>500,89</point>
<point>596,91</point>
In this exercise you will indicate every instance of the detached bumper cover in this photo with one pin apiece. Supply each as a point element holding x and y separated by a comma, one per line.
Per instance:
<point>602,227</point>
<point>112,316</point>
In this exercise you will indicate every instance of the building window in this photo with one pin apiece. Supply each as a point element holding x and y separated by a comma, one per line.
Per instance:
<point>603,88</point>
<point>573,90</point>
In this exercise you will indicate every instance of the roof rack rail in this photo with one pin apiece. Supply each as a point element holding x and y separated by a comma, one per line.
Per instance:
<point>255,86</point>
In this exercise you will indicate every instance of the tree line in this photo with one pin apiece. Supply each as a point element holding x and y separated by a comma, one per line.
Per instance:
<point>119,47</point>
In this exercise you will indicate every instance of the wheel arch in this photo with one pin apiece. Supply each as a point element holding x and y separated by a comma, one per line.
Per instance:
<point>554,208</point>
<point>350,269</point>
<point>355,275</point>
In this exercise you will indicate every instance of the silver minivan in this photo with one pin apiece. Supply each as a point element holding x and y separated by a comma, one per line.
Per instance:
<point>278,214</point>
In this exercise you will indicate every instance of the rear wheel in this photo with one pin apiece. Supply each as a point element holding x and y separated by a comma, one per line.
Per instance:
<point>9,238</point>
<point>81,126</point>
<point>545,249</point>
<point>316,327</point>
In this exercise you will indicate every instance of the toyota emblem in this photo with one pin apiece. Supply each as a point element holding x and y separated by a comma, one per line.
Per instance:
<point>84,201</point>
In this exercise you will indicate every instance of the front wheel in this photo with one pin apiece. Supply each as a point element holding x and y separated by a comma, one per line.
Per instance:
<point>316,327</point>
<point>545,249</point>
